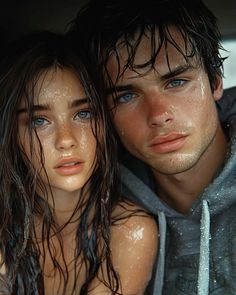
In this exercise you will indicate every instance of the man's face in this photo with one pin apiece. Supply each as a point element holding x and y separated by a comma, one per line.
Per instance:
<point>166,117</point>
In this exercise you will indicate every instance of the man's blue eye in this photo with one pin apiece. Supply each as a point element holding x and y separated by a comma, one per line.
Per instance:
<point>84,114</point>
<point>176,83</point>
<point>38,122</point>
<point>125,97</point>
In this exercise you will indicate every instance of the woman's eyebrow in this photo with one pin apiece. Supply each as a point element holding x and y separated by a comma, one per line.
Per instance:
<point>46,107</point>
<point>78,102</point>
<point>36,107</point>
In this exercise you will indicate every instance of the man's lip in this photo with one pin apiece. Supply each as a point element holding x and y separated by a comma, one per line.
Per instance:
<point>66,161</point>
<point>168,143</point>
<point>166,138</point>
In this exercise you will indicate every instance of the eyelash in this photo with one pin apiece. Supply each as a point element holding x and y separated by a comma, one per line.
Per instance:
<point>44,121</point>
<point>119,97</point>
<point>182,82</point>
<point>37,118</point>
<point>88,114</point>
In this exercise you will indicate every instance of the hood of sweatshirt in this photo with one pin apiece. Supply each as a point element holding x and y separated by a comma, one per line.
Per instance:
<point>138,180</point>
<point>218,196</point>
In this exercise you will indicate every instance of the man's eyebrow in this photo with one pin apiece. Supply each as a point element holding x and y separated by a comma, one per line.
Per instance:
<point>46,107</point>
<point>177,71</point>
<point>118,88</point>
<point>171,74</point>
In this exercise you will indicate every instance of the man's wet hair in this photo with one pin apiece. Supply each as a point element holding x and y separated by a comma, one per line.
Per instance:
<point>107,25</point>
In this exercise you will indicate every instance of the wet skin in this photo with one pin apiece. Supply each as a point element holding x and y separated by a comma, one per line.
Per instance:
<point>62,123</point>
<point>63,126</point>
<point>167,117</point>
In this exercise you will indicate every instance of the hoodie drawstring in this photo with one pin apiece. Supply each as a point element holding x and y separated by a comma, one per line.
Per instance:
<point>203,270</point>
<point>159,276</point>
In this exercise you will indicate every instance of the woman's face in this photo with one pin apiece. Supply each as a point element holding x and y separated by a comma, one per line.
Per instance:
<point>61,122</point>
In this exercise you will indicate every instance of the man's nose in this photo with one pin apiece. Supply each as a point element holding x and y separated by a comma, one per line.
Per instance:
<point>160,112</point>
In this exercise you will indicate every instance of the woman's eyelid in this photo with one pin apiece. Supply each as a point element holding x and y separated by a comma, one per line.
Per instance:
<point>44,121</point>
<point>85,110</point>
<point>40,115</point>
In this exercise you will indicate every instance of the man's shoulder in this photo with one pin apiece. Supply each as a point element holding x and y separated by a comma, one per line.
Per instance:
<point>230,91</point>
<point>227,105</point>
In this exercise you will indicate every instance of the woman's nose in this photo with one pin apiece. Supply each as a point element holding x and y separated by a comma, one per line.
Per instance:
<point>65,138</point>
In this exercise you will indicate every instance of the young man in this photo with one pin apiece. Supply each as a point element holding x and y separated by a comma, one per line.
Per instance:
<point>163,79</point>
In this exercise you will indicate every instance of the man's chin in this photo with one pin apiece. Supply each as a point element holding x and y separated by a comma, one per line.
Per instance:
<point>174,165</point>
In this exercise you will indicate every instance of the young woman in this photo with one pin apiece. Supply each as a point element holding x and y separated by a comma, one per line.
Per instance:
<point>63,227</point>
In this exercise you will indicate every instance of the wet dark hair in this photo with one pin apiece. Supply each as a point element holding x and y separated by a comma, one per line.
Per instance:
<point>20,69</point>
<point>110,24</point>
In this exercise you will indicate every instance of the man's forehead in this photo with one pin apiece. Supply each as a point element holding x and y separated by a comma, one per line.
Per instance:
<point>149,53</point>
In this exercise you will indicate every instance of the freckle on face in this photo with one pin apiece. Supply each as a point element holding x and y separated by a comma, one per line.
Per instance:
<point>58,89</point>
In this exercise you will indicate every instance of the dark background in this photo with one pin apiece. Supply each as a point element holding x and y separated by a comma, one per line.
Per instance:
<point>21,16</point>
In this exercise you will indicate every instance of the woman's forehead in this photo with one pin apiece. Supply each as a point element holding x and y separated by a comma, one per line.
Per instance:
<point>53,85</point>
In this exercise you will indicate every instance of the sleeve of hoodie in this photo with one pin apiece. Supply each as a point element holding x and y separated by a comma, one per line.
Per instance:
<point>227,106</point>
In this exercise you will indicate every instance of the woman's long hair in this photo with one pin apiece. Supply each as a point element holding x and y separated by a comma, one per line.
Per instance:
<point>20,69</point>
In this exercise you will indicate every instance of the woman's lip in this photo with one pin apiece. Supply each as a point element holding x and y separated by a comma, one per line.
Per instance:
<point>74,168</point>
<point>169,143</point>
<point>69,166</point>
<point>67,161</point>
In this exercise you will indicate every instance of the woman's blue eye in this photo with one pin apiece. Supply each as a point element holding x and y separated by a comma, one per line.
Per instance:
<point>84,114</point>
<point>38,122</point>
<point>125,97</point>
<point>176,83</point>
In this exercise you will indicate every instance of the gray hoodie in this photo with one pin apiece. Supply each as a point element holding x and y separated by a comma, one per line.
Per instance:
<point>197,251</point>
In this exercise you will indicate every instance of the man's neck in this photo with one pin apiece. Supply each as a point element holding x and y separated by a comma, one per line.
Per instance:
<point>180,190</point>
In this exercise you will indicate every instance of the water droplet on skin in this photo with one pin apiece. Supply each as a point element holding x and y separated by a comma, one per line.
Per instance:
<point>136,234</point>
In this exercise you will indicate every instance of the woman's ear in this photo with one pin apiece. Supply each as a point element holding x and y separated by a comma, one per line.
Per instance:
<point>218,88</point>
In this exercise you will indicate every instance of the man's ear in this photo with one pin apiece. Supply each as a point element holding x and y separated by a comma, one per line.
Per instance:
<point>218,88</point>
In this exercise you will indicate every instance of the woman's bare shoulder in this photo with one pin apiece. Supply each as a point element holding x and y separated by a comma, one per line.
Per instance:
<point>134,222</point>
<point>134,244</point>
<point>131,218</point>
